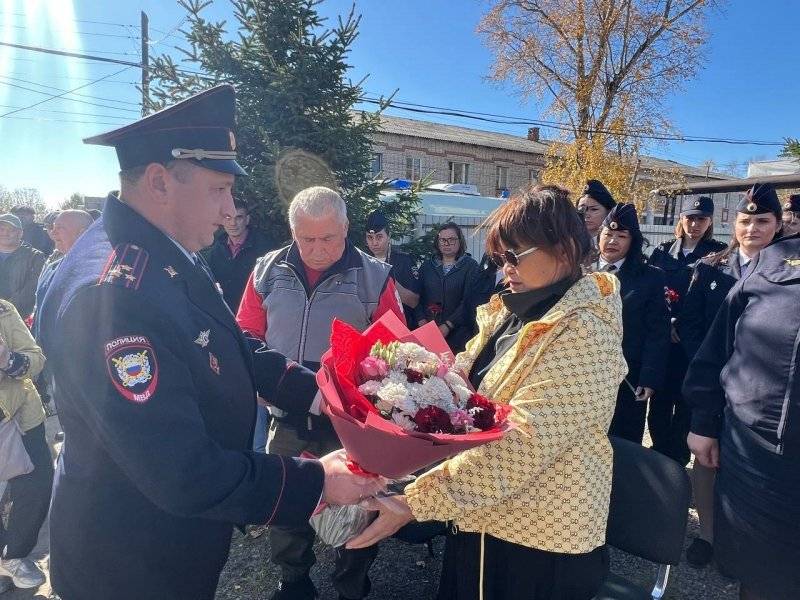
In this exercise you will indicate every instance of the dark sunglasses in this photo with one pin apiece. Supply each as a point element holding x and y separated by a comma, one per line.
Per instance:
<point>510,257</point>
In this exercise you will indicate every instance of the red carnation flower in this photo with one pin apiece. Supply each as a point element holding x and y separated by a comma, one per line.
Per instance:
<point>414,376</point>
<point>435,308</point>
<point>433,419</point>
<point>482,410</point>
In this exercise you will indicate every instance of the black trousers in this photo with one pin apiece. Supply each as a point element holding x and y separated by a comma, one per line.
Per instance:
<point>669,417</point>
<point>629,415</point>
<point>30,498</point>
<point>514,572</point>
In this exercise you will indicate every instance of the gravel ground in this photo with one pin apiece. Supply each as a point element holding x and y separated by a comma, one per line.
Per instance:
<point>406,572</point>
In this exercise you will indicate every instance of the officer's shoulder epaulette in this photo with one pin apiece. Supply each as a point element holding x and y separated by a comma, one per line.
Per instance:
<point>125,266</point>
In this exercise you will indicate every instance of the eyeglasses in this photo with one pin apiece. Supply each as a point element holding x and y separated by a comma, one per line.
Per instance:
<point>510,257</point>
<point>448,241</point>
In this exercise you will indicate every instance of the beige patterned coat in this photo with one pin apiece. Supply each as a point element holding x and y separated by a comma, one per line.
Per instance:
<point>546,484</point>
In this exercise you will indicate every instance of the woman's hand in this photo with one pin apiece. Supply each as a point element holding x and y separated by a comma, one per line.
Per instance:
<point>393,513</point>
<point>422,322</point>
<point>705,450</point>
<point>444,329</point>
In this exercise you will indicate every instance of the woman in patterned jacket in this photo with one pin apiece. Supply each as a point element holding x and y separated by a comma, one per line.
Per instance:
<point>528,512</point>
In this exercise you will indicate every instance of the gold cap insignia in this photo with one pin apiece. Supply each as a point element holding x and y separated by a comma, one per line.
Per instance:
<point>613,225</point>
<point>697,203</point>
<point>788,206</point>
<point>752,207</point>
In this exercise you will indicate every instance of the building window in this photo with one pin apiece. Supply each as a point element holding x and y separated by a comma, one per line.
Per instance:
<point>376,167</point>
<point>501,180</point>
<point>459,172</point>
<point>533,176</point>
<point>413,167</point>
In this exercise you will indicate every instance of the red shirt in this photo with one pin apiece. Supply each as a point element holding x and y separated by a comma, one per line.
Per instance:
<point>236,247</point>
<point>252,317</point>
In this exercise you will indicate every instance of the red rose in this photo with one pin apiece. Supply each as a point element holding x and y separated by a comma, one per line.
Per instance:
<point>433,419</point>
<point>435,308</point>
<point>482,410</point>
<point>671,295</point>
<point>414,376</point>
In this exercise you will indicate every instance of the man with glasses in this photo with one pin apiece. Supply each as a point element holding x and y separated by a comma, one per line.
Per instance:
<point>234,254</point>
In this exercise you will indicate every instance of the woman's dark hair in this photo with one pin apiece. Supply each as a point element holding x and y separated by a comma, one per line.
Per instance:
<point>540,216</point>
<point>679,232</point>
<point>462,242</point>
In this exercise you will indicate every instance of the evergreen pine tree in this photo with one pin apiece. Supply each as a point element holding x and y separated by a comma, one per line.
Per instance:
<point>295,123</point>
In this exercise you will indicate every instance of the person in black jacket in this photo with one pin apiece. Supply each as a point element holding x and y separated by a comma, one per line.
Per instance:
<point>404,267</point>
<point>33,233</point>
<point>20,266</point>
<point>446,284</point>
<point>743,387</point>
<point>712,279</point>
<point>234,253</point>
<point>645,323</point>
<point>668,419</point>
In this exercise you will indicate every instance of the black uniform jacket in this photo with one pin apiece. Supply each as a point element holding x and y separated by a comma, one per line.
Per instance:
<point>749,359</point>
<point>232,272</point>
<point>645,322</point>
<point>157,401</point>
<point>707,290</point>
<point>677,266</point>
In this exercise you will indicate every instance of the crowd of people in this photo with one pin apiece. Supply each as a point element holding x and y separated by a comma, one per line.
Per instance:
<point>181,347</point>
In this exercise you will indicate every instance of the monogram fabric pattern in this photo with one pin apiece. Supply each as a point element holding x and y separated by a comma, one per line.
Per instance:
<point>546,484</point>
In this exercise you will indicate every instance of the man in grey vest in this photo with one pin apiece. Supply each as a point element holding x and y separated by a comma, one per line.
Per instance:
<point>290,301</point>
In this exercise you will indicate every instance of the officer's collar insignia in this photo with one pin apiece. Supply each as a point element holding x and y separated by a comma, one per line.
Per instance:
<point>713,285</point>
<point>213,363</point>
<point>133,368</point>
<point>792,262</point>
<point>752,207</point>
<point>203,339</point>
<point>613,225</point>
<point>170,271</point>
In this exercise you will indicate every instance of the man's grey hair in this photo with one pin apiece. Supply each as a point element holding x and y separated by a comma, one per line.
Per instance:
<point>317,202</point>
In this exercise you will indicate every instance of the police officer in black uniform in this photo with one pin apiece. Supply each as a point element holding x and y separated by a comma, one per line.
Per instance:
<point>156,384</point>
<point>645,324</point>
<point>758,219</point>
<point>743,387</point>
<point>668,419</point>
<point>791,215</point>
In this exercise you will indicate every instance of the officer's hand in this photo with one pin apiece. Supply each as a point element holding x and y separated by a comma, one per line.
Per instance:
<point>5,353</point>
<point>393,513</point>
<point>643,394</point>
<point>342,486</point>
<point>705,450</point>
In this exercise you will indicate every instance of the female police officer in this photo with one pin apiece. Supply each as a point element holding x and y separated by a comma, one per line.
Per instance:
<point>645,330</point>
<point>743,387</point>
<point>758,219</point>
<point>668,421</point>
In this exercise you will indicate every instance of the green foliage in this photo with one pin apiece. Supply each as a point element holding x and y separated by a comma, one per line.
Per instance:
<point>295,126</point>
<point>791,148</point>
<point>75,201</point>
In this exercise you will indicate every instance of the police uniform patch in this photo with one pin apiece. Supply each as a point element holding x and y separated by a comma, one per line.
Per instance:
<point>132,367</point>
<point>713,285</point>
<point>213,363</point>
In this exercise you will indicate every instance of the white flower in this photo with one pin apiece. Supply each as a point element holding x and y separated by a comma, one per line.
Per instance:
<point>435,392</point>
<point>389,395</point>
<point>403,421</point>
<point>369,388</point>
<point>463,393</point>
<point>414,353</point>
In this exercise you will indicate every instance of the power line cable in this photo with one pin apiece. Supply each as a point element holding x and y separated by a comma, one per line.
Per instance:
<point>119,108</point>
<point>110,23</point>
<point>68,112</point>
<point>57,89</point>
<point>89,33</point>
<point>65,121</point>
<point>507,120</point>
<point>12,112</point>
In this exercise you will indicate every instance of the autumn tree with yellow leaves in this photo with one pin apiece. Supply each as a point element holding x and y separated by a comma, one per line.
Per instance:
<point>603,68</point>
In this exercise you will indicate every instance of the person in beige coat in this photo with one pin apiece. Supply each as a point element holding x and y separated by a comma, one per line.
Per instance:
<point>20,361</point>
<point>528,513</point>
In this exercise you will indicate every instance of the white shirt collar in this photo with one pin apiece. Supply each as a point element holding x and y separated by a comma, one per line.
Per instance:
<point>743,258</point>
<point>618,264</point>
<point>191,256</point>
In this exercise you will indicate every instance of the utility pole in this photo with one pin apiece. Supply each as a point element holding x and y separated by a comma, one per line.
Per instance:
<point>145,63</point>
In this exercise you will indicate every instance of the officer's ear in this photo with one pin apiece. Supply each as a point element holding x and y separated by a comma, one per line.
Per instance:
<point>155,180</point>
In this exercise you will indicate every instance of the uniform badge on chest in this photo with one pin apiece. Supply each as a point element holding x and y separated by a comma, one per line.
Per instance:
<point>203,339</point>
<point>213,363</point>
<point>713,285</point>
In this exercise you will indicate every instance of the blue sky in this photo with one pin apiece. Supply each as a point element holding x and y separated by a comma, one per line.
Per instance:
<point>428,49</point>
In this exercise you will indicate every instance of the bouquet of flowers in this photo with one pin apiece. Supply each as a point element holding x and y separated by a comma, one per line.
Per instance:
<point>396,400</point>
<point>671,296</point>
